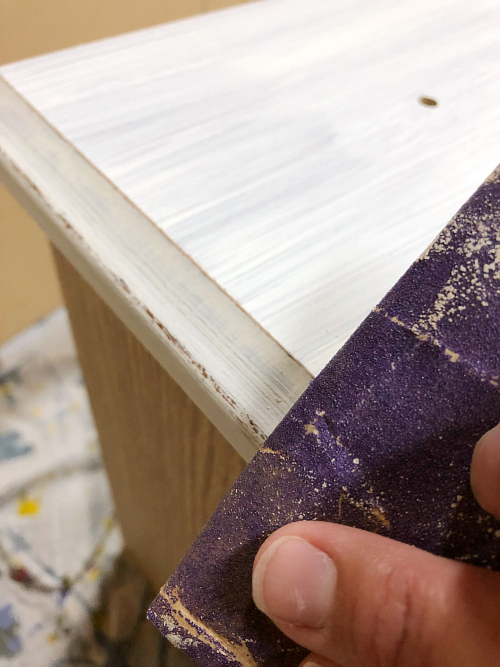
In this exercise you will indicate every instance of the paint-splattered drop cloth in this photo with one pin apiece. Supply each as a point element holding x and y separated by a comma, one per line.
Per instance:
<point>67,597</point>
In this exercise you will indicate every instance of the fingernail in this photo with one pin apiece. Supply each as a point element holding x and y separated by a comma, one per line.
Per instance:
<point>485,471</point>
<point>295,582</point>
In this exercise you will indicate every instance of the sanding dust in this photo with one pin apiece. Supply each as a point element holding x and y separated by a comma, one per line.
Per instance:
<point>181,617</point>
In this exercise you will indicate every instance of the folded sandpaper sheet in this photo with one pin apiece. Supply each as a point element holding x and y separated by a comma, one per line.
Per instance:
<point>382,439</point>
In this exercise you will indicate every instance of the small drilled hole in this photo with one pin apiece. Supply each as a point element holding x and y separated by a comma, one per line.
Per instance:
<point>427,101</point>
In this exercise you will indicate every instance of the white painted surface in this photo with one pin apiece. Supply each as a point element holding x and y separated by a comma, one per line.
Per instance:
<point>282,146</point>
<point>229,366</point>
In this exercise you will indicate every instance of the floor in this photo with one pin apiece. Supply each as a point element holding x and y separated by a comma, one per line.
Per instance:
<point>68,593</point>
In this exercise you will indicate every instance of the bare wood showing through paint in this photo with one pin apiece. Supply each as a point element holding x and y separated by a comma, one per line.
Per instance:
<point>168,465</point>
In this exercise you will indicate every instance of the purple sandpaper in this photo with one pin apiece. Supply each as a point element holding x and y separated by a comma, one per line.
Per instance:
<point>382,439</point>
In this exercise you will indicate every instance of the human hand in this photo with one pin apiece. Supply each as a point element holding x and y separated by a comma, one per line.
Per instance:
<point>357,599</point>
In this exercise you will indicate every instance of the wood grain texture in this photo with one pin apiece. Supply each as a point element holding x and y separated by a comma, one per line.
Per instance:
<point>228,365</point>
<point>282,145</point>
<point>168,465</point>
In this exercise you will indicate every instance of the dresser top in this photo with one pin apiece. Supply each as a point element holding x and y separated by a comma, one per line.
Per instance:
<point>297,155</point>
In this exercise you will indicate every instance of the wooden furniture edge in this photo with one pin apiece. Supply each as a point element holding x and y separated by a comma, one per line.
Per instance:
<point>235,372</point>
<point>172,466</point>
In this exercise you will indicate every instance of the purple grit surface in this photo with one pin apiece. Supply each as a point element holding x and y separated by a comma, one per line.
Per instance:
<point>382,440</point>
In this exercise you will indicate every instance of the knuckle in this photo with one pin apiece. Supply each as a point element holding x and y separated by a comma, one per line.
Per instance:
<point>394,634</point>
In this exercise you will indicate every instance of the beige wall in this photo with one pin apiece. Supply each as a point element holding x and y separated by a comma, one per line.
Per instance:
<point>28,283</point>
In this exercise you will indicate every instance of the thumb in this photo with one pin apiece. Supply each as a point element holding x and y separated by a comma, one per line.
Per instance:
<point>360,599</point>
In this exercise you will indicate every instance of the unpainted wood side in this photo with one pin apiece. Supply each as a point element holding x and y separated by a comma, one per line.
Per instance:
<point>168,465</point>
